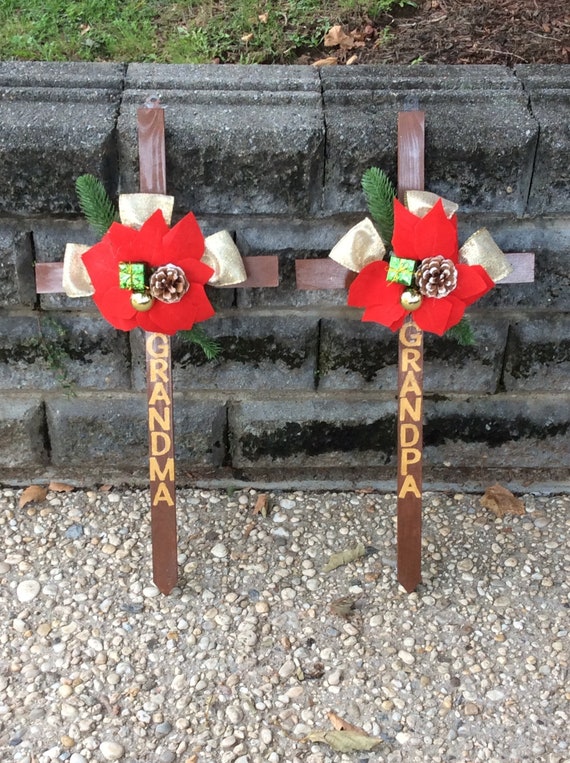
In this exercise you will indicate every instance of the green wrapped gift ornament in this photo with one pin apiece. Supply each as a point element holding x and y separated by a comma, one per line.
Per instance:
<point>401,270</point>
<point>132,275</point>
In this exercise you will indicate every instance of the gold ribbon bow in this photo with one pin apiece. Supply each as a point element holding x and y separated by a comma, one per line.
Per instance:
<point>363,245</point>
<point>220,252</point>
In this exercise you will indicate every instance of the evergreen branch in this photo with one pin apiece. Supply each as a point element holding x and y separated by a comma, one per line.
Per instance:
<point>379,192</point>
<point>95,204</point>
<point>462,333</point>
<point>209,346</point>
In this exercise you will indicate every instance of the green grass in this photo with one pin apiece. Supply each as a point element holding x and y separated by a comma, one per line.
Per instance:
<point>232,31</point>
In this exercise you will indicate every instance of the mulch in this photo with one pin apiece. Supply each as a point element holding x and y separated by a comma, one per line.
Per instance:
<point>506,32</point>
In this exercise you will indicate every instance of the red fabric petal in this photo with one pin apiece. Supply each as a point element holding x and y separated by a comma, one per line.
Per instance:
<point>434,315</point>
<point>197,296</point>
<point>150,241</point>
<point>195,271</point>
<point>404,235</point>
<point>437,234</point>
<point>416,238</point>
<point>115,306</point>
<point>473,282</point>
<point>184,240</point>
<point>370,286</point>
<point>101,265</point>
<point>392,315</point>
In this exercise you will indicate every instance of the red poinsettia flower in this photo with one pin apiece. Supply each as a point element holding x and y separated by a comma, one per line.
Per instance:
<point>419,238</point>
<point>155,244</point>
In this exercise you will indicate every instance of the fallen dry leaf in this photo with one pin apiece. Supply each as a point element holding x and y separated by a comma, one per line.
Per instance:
<point>344,606</point>
<point>330,61</point>
<point>345,557</point>
<point>341,725</point>
<point>337,36</point>
<point>501,501</point>
<point>261,505</point>
<point>344,741</point>
<point>33,493</point>
<point>247,37</point>
<point>263,17</point>
<point>352,60</point>
<point>60,487</point>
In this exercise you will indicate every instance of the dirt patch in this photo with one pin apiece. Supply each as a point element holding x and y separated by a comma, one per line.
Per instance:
<point>506,32</point>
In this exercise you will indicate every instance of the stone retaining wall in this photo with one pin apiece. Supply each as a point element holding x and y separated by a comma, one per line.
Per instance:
<point>303,392</point>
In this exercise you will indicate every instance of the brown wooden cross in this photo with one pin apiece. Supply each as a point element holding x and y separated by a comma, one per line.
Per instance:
<point>260,271</point>
<point>327,274</point>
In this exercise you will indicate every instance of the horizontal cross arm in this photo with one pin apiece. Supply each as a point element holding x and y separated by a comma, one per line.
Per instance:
<point>327,274</point>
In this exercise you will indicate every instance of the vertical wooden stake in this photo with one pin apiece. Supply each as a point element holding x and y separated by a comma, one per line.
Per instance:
<point>411,142</point>
<point>152,169</point>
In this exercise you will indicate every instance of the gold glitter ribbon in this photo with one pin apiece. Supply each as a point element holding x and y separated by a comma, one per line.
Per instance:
<point>220,253</point>
<point>75,279</point>
<point>359,247</point>
<point>481,249</point>
<point>420,203</point>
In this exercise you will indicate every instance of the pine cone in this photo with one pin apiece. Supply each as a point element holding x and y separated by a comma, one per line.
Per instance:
<point>169,284</point>
<point>436,277</point>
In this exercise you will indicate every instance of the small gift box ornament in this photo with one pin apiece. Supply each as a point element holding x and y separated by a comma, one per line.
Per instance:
<point>401,270</point>
<point>132,276</point>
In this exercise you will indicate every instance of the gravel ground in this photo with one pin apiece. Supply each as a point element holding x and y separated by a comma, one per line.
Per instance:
<point>246,658</point>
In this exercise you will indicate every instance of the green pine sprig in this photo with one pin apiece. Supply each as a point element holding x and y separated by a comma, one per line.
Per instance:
<point>95,204</point>
<point>196,334</point>
<point>379,192</point>
<point>462,333</point>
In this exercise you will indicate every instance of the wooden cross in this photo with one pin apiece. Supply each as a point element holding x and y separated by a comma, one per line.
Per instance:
<point>327,274</point>
<point>260,271</point>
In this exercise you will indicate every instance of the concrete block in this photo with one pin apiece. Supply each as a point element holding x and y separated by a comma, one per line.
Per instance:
<point>109,434</point>
<point>512,431</point>
<point>238,139</point>
<point>318,432</point>
<point>357,356</point>
<point>480,134</point>
<point>58,122</point>
<point>356,433</point>
<point>23,441</point>
<point>549,90</point>
<point>62,351</point>
<point>290,240</point>
<point>256,352</point>
<point>17,285</point>
<point>538,354</point>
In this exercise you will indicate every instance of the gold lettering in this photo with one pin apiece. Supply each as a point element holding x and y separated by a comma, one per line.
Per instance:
<point>406,409</point>
<point>159,393</point>
<point>162,495</point>
<point>158,369</point>
<point>408,457</point>
<point>157,345</point>
<point>409,435</point>
<point>157,450</point>
<point>166,473</point>
<point>410,384</point>
<point>410,335</point>
<point>410,360</point>
<point>154,419</point>
<point>409,485</point>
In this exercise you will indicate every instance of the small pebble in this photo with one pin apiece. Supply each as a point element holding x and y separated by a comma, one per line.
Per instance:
<point>111,750</point>
<point>27,590</point>
<point>219,551</point>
